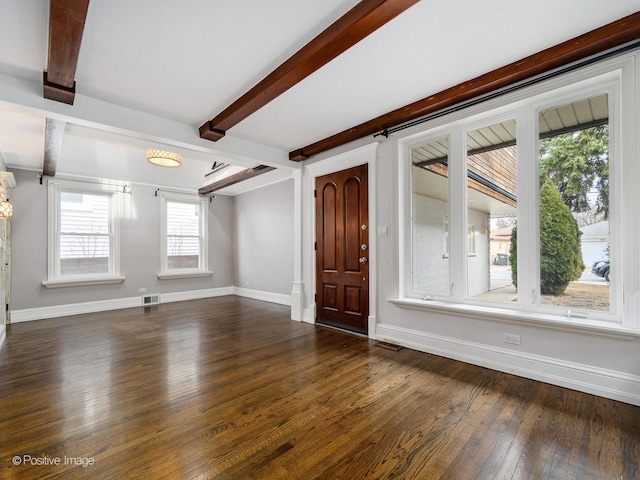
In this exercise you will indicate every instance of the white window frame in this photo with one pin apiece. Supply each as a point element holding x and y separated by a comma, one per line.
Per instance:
<point>55,188</point>
<point>619,77</point>
<point>445,239</point>
<point>203,268</point>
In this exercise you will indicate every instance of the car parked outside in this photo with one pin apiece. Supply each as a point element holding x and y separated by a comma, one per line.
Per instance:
<point>601,268</point>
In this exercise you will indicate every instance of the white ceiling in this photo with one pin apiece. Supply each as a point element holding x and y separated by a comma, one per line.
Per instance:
<point>150,73</point>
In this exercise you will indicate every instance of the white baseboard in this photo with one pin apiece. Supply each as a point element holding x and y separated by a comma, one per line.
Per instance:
<point>585,378</point>
<point>39,313</point>
<point>309,315</point>
<point>195,294</point>
<point>279,298</point>
<point>54,311</point>
<point>297,301</point>
<point>3,336</point>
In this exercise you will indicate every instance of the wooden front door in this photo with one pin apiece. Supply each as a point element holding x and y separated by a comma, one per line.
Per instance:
<point>342,249</point>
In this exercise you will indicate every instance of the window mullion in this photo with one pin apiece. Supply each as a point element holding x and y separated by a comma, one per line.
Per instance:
<point>528,217</point>
<point>457,216</point>
<point>625,176</point>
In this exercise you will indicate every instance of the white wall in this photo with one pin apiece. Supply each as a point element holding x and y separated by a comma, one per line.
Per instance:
<point>263,239</point>
<point>139,245</point>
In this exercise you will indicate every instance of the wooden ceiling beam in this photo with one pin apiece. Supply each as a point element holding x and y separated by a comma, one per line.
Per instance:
<point>66,26</point>
<point>363,19</point>
<point>597,41</point>
<point>209,190</point>
<point>54,133</point>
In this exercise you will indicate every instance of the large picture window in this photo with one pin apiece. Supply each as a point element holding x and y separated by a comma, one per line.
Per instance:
<point>527,199</point>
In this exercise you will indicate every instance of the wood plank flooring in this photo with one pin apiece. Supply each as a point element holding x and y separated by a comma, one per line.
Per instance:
<point>230,388</point>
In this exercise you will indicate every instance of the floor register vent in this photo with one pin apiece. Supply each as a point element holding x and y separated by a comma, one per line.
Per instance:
<point>150,300</point>
<point>388,346</point>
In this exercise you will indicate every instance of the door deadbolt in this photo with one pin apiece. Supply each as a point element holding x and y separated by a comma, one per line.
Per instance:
<point>363,247</point>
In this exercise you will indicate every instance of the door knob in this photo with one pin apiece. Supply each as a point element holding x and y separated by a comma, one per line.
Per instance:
<point>363,260</point>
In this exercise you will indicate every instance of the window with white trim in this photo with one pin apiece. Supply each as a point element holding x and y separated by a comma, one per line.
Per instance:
<point>83,234</point>
<point>184,235</point>
<point>483,181</point>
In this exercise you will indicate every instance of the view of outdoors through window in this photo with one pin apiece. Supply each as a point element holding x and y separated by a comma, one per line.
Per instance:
<point>492,209</point>
<point>183,235</point>
<point>84,236</point>
<point>574,205</point>
<point>573,211</point>
<point>430,210</point>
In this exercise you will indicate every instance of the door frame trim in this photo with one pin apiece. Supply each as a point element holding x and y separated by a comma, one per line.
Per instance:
<point>366,154</point>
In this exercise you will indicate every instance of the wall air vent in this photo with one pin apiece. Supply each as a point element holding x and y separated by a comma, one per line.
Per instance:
<point>148,300</point>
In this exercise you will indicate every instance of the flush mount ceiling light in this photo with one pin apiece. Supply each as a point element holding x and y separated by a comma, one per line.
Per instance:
<point>164,159</point>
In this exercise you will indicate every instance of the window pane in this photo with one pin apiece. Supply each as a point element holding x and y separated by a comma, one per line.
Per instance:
<point>430,221</point>
<point>84,237</point>
<point>491,211</point>
<point>183,235</point>
<point>84,213</point>
<point>574,204</point>
<point>183,219</point>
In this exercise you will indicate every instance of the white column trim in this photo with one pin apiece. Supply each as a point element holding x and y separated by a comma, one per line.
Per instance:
<point>297,287</point>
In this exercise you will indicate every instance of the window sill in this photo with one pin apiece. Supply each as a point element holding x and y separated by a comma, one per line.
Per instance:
<point>167,276</point>
<point>593,327</point>
<point>76,282</point>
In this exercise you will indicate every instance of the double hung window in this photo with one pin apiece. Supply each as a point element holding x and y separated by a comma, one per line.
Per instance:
<point>184,240</point>
<point>83,234</point>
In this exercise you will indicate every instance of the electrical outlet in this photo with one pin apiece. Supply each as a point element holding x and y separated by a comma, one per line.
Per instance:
<point>509,338</point>
<point>142,290</point>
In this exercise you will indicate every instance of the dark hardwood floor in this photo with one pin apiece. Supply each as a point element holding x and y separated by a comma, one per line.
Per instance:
<point>231,388</point>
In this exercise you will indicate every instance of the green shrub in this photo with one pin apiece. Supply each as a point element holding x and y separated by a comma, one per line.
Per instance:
<point>560,250</point>
<point>560,254</point>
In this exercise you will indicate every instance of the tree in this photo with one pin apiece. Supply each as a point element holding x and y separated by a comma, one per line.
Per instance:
<point>560,252</point>
<point>588,218</point>
<point>578,261</point>
<point>578,163</point>
<point>501,222</point>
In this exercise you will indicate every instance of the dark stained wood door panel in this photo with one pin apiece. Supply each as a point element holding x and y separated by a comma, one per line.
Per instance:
<point>342,249</point>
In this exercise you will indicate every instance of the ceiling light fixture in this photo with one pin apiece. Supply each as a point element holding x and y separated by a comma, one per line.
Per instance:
<point>164,159</point>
